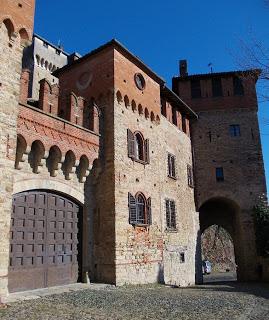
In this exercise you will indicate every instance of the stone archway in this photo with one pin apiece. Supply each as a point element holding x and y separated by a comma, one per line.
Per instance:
<point>224,213</point>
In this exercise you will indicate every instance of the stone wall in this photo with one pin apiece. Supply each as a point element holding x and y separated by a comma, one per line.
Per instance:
<point>11,54</point>
<point>152,253</point>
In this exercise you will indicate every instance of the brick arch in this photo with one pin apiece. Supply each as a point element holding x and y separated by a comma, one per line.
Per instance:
<point>119,97</point>
<point>10,26</point>
<point>140,109</point>
<point>24,35</point>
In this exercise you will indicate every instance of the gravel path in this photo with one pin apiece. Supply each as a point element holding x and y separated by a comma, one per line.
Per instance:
<point>208,302</point>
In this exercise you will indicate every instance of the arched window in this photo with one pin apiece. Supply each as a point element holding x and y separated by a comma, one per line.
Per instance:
<point>139,209</point>
<point>138,147</point>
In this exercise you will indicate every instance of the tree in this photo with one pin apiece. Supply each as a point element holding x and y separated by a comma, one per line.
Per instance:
<point>261,223</point>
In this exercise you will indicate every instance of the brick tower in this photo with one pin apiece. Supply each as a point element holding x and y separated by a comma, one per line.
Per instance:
<point>16,26</point>
<point>229,170</point>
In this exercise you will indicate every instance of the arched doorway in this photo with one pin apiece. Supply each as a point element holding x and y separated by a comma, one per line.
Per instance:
<point>45,240</point>
<point>220,215</point>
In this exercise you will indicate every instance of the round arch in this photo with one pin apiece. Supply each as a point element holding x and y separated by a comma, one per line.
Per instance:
<point>41,184</point>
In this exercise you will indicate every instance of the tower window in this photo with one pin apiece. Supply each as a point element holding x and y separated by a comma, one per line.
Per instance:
<point>139,209</point>
<point>235,130</point>
<point>219,174</point>
<point>238,86</point>
<point>171,166</point>
<point>216,87</point>
<point>170,214</point>
<point>195,89</point>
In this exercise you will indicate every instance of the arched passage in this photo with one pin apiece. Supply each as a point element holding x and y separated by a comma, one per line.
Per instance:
<point>218,248</point>
<point>46,240</point>
<point>220,214</point>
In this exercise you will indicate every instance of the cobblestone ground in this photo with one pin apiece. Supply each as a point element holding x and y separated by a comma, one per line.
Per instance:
<point>208,302</point>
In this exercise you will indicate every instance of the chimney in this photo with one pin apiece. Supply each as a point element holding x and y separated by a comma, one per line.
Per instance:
<point>183,68</point>
<point>73,57</point>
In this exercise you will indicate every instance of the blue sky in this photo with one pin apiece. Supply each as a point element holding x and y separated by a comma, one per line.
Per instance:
<point>162,32</point>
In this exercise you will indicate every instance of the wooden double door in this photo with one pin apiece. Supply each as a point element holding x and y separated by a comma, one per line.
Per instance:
<point>44,241</point>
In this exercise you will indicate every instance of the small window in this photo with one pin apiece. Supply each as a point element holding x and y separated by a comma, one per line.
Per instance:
<point>45,44</point>
<point>219,174</point>
<point>58,51</point>
<point>139,209</point>
<point>138,147</point>
<point>171,166</point>
<point>216,87</point>
<point>182,257</point>
<point>170,214</point>
<point>235,130</point>
<point>190,176</point>
<point>195,89</point>
<point>238,86</point>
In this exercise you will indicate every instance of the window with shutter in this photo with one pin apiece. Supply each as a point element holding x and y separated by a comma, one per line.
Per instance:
<point>171,166</point>
<point>138,147</point>
<point>139,209</point>
<point>170,214</point>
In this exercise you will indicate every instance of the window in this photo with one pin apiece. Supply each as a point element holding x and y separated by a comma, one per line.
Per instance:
<point>182,257</point>
<point>190,176</point>
<point>170,214</point>
<point>219,174</point>
<point>195,89</point>
<point>235,130</point>
<point>216,87</point>
<point>58,51</point>
<point>139,209</point>
<point>45,44</point>
<point>138,147</point>
<point>171,166</point>
<point>238,86</point>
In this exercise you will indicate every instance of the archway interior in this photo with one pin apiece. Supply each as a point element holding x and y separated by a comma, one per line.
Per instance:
<point>218,224</point>
<point>218,248</point>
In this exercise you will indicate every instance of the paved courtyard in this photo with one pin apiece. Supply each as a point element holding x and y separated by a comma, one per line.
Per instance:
<point>214,301</point>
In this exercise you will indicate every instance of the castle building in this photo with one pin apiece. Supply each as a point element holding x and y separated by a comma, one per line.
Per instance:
<point>97,158</point>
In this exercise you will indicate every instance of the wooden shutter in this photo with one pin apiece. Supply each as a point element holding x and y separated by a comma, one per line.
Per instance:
<point>130,143</point>
<point>167,213</point>
<point>173,214</point>
<point>132,209</point>
<point>149,218</point>
<point>147,150</point>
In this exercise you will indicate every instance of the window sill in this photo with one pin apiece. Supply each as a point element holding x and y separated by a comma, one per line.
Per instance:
<point>174,178</point>
<point>140,225</point>
<point>140,161</point>
<point>171,230</point>
<point>191,186</point>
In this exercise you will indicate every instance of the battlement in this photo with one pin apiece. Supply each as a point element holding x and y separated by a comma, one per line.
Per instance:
<point>215,91</point>
<point>69,106</point>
